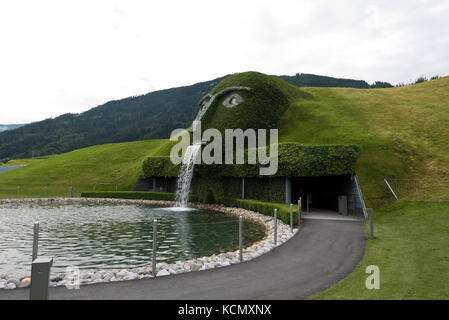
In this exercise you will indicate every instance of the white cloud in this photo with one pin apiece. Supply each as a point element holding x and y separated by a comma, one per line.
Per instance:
<point>59,57</point>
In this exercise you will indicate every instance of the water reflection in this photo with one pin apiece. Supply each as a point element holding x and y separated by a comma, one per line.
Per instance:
<point>113,236</point>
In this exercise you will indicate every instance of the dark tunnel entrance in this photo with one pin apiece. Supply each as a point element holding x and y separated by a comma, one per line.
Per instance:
<point>324,193</point>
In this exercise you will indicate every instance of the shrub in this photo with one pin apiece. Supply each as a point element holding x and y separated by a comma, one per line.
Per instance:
<point>421,80</point>
<point>210,190</point>
<point>266,208</point>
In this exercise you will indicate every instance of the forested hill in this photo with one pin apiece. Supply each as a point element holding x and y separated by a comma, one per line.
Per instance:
<point>150,116</point>
<point>312,80</point>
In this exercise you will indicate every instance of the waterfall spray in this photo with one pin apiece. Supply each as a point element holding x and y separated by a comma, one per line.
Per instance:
<point>185,175</point>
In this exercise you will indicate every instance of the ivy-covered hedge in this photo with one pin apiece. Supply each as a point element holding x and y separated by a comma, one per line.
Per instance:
<point>210,190</point>
<point>160,167</point>
<point>140,195</point>
<point>266,190</point>
<point>294,161</point>
<point>266,208</point>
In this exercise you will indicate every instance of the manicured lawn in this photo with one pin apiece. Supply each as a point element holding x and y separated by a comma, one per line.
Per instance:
<point>103,167</point>
<point>411,249</point>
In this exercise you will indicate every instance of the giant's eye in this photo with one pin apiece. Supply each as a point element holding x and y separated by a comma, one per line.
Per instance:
<point>232,101</point>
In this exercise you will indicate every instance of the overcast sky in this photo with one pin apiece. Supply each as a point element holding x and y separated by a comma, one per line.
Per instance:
<point>69,56</point>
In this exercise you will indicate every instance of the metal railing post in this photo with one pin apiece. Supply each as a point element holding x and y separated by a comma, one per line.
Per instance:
<point>153,264</point>
<point>71,192</point>
<point>40,278</point>
<point>291,217</point>
<point>18,191</point>
<point>391,189</point>
<point>35,240</point>
<point>371,222</point>
<point>241,238</point>
<point>45,192</point>
<point>299,210</point>
<point>275,226</point>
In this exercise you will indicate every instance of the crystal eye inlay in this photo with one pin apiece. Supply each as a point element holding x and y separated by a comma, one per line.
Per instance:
<point>233,100</point>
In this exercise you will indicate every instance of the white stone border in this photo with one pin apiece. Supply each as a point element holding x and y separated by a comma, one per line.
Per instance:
<point>214,261</point>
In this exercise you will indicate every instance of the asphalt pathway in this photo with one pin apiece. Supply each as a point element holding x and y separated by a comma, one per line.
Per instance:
<point>6,169</point>
<point>319,255</point>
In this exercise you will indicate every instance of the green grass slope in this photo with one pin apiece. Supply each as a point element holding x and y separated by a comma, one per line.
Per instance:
<point>402,133</point>
<point>103,167</point>
<point>410,249</point>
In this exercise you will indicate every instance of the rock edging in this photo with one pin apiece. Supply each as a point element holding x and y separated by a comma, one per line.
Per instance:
<point>163,269</point>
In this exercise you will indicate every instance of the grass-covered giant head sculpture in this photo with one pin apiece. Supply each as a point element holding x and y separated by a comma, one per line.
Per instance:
<point>245,100</point>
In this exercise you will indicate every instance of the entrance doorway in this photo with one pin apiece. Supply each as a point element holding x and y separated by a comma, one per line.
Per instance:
<point>321,192</point>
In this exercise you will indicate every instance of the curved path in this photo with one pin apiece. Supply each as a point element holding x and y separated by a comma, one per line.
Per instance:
<point>320,254</point>
<point>6,169</point>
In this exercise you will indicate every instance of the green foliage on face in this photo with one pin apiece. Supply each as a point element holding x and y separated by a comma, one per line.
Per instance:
<point>261,107</point>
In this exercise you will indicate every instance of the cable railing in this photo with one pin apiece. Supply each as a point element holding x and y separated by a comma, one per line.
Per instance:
<point>39,281</point>
<point>418,189</point>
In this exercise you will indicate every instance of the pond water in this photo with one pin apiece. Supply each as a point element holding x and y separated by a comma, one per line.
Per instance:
<point>113,236</point>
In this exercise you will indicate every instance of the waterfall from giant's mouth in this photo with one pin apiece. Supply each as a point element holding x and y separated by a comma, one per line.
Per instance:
<point>185,175</point>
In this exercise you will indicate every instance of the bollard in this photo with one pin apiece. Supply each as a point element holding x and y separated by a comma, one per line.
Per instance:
<point>275,226</point>
<point>371,222</point>
<point>35,240</point>
<point>153,265</point>
<point>71,192</point>
<point>40,278</point>
<point>291,217</point>
<point>299,210</point>
<point>241,238</point>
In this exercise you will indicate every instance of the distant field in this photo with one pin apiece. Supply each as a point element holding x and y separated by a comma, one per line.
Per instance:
<point>411,250</point>
<point>103,167</point>
<point>23,161</point>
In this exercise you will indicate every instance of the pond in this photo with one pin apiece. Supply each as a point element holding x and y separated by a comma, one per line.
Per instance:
<point>114,236</point>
